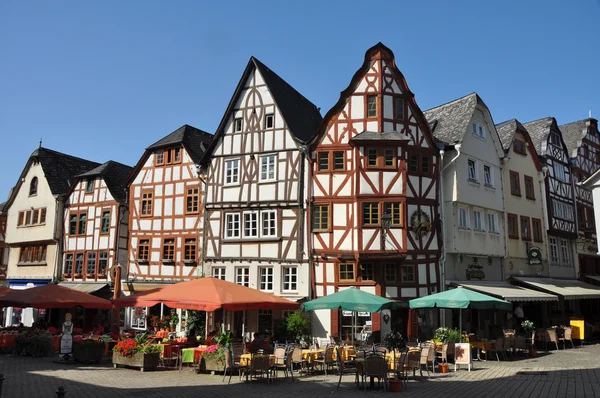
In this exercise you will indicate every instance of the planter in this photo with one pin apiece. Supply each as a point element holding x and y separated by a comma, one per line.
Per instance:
<point>443,367</point>
<point>90,351</point>
<point>395,385</point>
<point>212,364</point>
<point>138,360</point>
<point>532,353</point>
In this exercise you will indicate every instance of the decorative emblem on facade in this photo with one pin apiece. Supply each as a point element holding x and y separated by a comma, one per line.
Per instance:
<point>534,255</point>
<point>420,223</point>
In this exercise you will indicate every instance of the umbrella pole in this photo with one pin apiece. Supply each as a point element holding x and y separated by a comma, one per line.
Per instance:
<point>244,326</point>
<point>460,321</point>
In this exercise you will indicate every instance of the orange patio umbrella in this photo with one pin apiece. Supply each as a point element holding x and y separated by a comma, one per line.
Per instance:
<point>208,294</point>
<point>52,296</point>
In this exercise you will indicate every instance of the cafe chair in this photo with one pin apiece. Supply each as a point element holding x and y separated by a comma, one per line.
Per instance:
<point>279,354</point>
<point>297,358</point>
<point>551,337</point>
<point>231,366</point>
<point>567,337</point>
<point>376,366</point>
<point>344,368</point>
<point>260,365</point>
<point>426,358</point>
<point>499,348</point>
<point>285,365</point>
<point>326,361</point>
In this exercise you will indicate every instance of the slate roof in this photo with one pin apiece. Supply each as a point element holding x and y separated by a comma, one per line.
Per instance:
<point>2,206</point>
<point>450,121</point>
<point>539,130</point>
<point>376,136</point>
<point>506,132</point>
<point>115,176</point>
<point>302,116</point>
<point>60,169</point>
<point>195,141</point>
<point>573,134</point>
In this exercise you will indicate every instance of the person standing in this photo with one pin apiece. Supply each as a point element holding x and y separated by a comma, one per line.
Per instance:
<point>520,316</point>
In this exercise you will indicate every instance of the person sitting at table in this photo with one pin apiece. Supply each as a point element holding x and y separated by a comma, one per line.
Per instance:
<point>257,343</point>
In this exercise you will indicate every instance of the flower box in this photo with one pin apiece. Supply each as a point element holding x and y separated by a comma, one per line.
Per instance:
<point>88,351</point>
<point>137,360</point>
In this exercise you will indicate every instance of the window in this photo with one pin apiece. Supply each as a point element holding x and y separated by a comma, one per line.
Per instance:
<point>399,108</point>
<point>144,250</point>
<point>33,186</point>
<point>176,155</point>
<point>28,218</point>
<point>346,272</point>
<point>32,254</point>
<point>477,220</point>
<point>91,263</point>
<point>564,252</point>
<point>408,273</point>
<point>218,273</point>
<point>78,263</point>
<point>515,183</point>
<point>251,225</point>
<point>492,222</point>
<point>269,119</point>
<point>242,276</point>
<point>413,163</point>
<point>168,249</point>
<point>268,223</point>
<point>371,213</point>
<point>590,218</point>
<point>371,106</point>
<point>581,216</point>
<point>513,227</point>
<point>232,225</point>
<point>192,199</point>
<point>81,226</point>
<point>290,279</point>
<point>391,273</point>
<point>42,215</point>
<point>32,217</point>
<point>389,158</point>
<point>68,264</point>
<point>159,158</point>
<point>536,225</point>
<point>478,130</point>
<point>138,317</point>
<point>265,322</point>
<point>519,147</point>
<point>190,249</point>
<point>267,168</point>
<point>553,250</point>
<point>237,125</point>
<point>525,228</point>
<point>266,278</point>
<point>339,160</point>
<point>323,161</point>
<point>320,218</point>
<point>463,217</point>
<point>395,210</point>
<point>425,164</point>
<point>147,203</point>
<point>559,172</point>
<point>232,171</point>
<point>169,156</point>
<point>89,186</point>
<point>488,178</point>
<point>366,272</point>
<point>472,169</point>
<point>73,224</point>
<point>105,223</point>
<point>102,263</point>
<point>372,157</point>
<point>529,192</point>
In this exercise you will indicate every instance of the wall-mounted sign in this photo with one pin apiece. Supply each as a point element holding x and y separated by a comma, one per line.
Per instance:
<point>474,271</point>
<point>534,255</point>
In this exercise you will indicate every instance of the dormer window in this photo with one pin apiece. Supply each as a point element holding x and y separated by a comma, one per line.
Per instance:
<point>33,186</point>
<point>269,121</point>
<point>159,158</point>
<point>89,187</point>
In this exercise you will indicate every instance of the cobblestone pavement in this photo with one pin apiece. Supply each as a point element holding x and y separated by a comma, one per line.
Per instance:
<point>571,372</point>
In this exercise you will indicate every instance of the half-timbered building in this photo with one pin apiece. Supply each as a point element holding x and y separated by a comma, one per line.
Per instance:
<point>255,230</point>
<point>3,247</point>
<point>583,143</point>
<point>166,207</point>
<point>559,196</point>
<point>96,219</point>
<point>374,198</point>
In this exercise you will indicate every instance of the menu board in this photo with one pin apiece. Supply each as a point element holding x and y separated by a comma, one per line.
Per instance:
<point>462,354</point>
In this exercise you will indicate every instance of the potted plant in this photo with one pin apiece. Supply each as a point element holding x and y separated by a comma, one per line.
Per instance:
<point>394,341</point>
<point>136,353</point>
<point>529,328</point>
<point>213,358</point>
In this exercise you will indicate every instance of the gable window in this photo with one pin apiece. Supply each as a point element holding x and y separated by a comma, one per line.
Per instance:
<point>91,263</point>
<point>559,172</point>
<point>168,249</point>
<point>366,272</point>
<point>513,226</point>
<point>371,213</point>
<point>42,215</point>
<point>492,222</point>
<point>32,217</point>
<point>525,228</point>
<point>425,164</point>
<point>408,273</point>
<point>372,158</point>
<point>478,130</point>
<point>488,178</point>
<point>391,273</point>
<point>105,222</point>
<point>346,272</point>
<point>147,202</point>
<point>81,224</point>
<point>28,218</point>
<point>472,169</point>
<point>269,121</point>
<point>477,221</point>
<point>515,183</point>
<point>266,278</point>
<point>399,108</point>
<point>389,158</point>
<point>192,199</point>
<point>33,186</point>
<point>237,125</point>
<point>251,225</point>
<point>232,225</point>
<point>553,250</point>
<point>320,218</point>
<point>519,147</point>
<point>89,186</point>
<point>536,225</point>
<point>371,106</point>
<point>242,276</point>
<point>102,263</point>
<point>144,250</point>
<point>395,210</point>
<point>218,273</point>
<point>267,168</point>
<point>190,249</point>
<point>176,155</point>
<point>413,163</point>
<point>268,223</point>
<point>339,161</point>
<point>463,218</point>
<point>232,172</point>
<point>68,264</point>
<point>529,192</point>
<point>564,252</point>
<point>159,158</point>
<point>323,161</point>
<point>290,279</point>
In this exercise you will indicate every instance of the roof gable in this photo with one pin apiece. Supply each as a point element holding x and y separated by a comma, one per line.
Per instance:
<point>539,131</point>
<point>195,141</point>
<point>452,119</point>
<point>115,176</point>
<point>506,132</point>
<point>574,133</point>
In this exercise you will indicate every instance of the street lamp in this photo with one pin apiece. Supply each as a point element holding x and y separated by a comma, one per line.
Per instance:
<point>386,223</point>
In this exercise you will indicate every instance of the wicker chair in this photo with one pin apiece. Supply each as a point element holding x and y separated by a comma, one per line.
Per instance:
<point>231,366</point>
<point>376,366</point>
<point>260,365</point>
<point>326,361</point>
<point>285,365</point>
<point>499,348</point>
<point>551,337</point>
<point>567,337</point>
<point>297,358</point>
<point>426,357</point>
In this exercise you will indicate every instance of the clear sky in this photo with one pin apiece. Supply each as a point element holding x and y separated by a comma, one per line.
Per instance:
<point>104,79</point>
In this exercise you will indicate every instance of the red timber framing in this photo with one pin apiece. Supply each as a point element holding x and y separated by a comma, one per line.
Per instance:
<point>380,129</point>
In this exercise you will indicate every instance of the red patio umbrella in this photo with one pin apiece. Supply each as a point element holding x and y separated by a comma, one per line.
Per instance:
<point>52,296</point>
<point>208,294</point>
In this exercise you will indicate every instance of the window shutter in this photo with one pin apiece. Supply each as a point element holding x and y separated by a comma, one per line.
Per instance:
<point>376,319</point>
<point>335,323</point>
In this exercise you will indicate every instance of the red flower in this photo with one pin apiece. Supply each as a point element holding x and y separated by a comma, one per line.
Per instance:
<point>126,347</point>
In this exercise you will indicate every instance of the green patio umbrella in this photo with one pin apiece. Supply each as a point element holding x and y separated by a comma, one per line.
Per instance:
<point>351,299</point>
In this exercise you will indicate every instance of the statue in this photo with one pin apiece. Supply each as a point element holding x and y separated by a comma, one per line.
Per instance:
<point>66,340</point>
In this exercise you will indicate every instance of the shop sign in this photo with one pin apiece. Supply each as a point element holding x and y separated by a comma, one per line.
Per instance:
<point>475,271</point>
<point>534,255</point>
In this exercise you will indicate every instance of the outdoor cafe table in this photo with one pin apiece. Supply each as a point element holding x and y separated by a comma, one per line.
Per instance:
<point>310,355</point>
<point>246,359</point>
<point>192,355</point>
<point>482,347</point>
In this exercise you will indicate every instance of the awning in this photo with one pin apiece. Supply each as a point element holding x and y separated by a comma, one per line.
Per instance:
<point>569,289</point>
<point>505,291</point>
<point>593,277</point>
<point>90,287</point>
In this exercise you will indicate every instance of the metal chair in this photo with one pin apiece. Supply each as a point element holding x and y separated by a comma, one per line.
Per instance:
<point>343,368</point>
<point>498,348</point>
<point>567,337</point>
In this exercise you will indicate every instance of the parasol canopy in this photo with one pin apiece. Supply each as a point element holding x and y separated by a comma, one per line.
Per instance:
<point>351,299</point>
<point>460,298</point>
<point>52,296</point>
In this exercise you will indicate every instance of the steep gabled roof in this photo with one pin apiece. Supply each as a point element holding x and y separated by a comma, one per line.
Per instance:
<point>2,207</point>
<point>377,136</point>
<point>195,141</point>
<point>573,135</point>
<point>451,120</point>
<point>115,176</point>
<point>539,130</point>
<point>506,132</point>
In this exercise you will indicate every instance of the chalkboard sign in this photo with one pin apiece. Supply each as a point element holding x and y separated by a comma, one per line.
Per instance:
<point>462,355</point>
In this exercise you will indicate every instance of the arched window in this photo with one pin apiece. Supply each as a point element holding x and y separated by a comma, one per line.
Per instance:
<point>33,186</point>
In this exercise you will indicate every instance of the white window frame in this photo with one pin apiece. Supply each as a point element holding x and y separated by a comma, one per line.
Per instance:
<point>218,273</point>
<point>270,218</point>
<point>475,176</point>
<point>267,274</point>
<point>477,220</point>
<point>138,323</point>
<point>230,218</point>
<point>478,130</point>
<point>252,218</point>
<point>464,225</point>
<point>565,255</point>
<point>289,281</point>
<point>242,276</point>
<point>268,169</point>
<point>488,178</point>
<point>232,171</point>
<point>492,222</point>
<point>554,254</point>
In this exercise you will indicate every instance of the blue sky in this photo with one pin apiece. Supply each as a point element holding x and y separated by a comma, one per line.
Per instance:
<point>102,80</point>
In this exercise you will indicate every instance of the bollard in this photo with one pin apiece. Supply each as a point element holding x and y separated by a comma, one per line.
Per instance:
<point>1,380</point>
<point>61,392</point>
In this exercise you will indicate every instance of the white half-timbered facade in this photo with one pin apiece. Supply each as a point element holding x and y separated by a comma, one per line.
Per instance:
<point>3,248</point>
<point>255,228</point>
<point>96,219</point>
<point>374,164</point>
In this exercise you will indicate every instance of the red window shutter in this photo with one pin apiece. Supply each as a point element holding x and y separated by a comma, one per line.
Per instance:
<point>413,323</point>
<point>376,319</point>
<point>335,323</point>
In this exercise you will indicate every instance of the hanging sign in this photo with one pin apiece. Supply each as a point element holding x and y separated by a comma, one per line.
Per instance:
<point>346,313</point>
<point>534,255</point>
